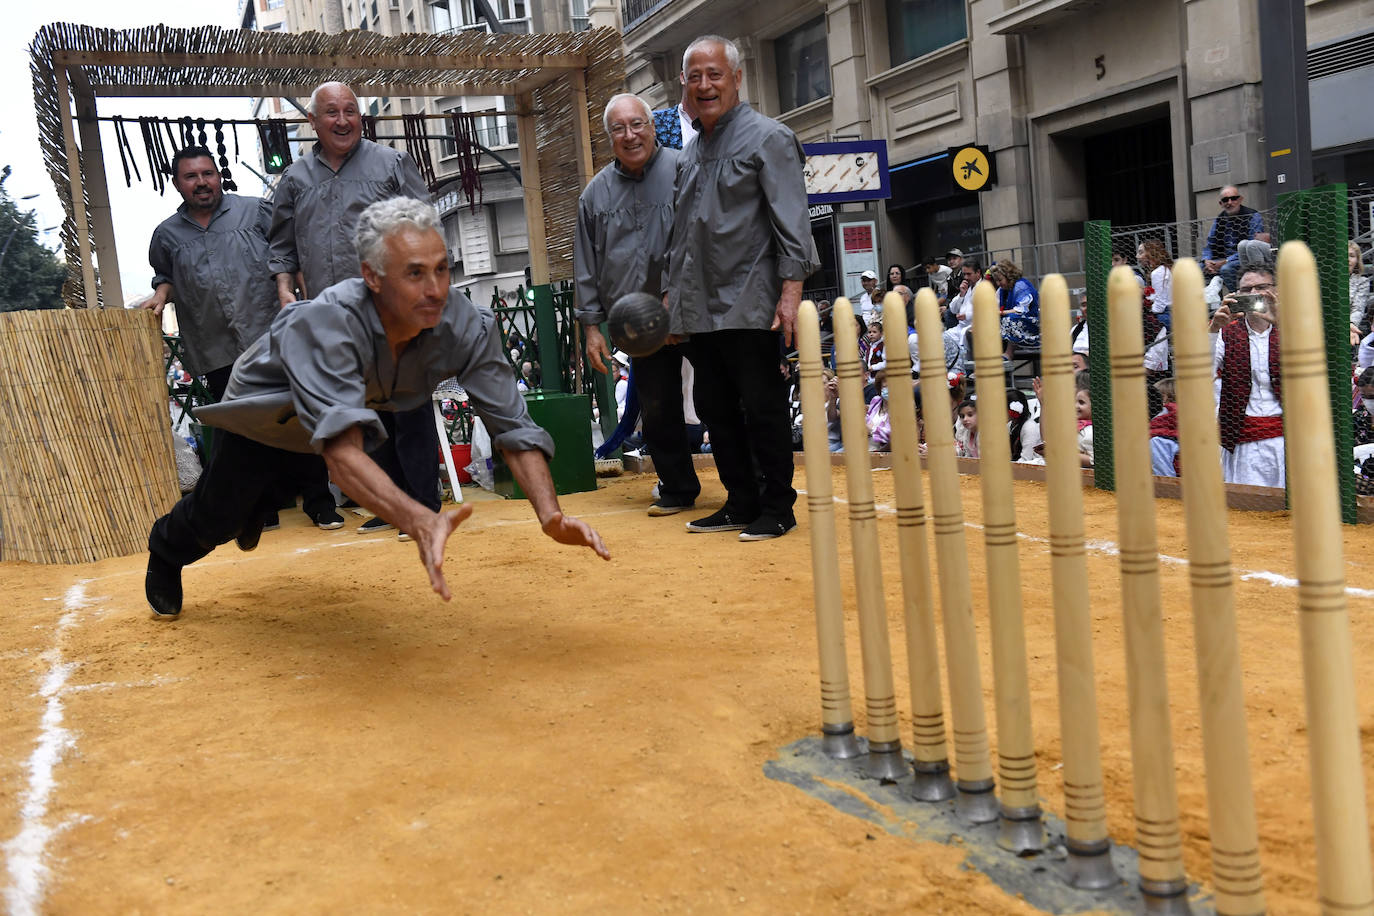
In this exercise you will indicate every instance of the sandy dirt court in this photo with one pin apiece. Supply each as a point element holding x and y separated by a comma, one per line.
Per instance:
<point>320,733</point>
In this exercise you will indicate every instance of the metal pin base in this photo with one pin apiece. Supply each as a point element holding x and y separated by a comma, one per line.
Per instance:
<point>839,742</point>
<point>932,782</point>
<point>885,761</point>
<point>1020,831</point>
<point>1090,867</point>
<point>976,803</point>
<point>1165,898</point>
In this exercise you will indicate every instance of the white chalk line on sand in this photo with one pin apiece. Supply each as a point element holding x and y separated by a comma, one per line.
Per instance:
<point>26,852</point>
<point>1110,549</point>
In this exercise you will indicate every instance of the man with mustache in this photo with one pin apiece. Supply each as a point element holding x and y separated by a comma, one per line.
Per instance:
<point>210,258</point>
<point>740,248</point>
<point>314,214</point>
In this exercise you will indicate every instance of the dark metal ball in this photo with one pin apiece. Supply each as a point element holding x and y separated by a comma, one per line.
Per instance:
<point>638,324</point>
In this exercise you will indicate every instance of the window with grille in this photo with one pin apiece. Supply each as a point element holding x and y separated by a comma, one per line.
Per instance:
<point>803,65</point>
<point>917,27</point>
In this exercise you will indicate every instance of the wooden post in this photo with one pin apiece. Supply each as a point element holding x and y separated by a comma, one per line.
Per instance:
<point>932,782</point>
<point>93,166</point>
<point>1085,812</point>
<point>1333,717</point>
<point>1163,883</point>
<point>83,234</point>
<point>976,802</point>
<point>837,712</point>
<point>884,741</point>
<point>582,120</point>
<point>1236,873</point>
<point>1019,826</point>
<point>534,194</point>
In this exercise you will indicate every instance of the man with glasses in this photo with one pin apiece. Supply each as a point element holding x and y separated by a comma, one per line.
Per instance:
<point>1246,360</point>
<point>624,217</point>
<point>1234,224</point>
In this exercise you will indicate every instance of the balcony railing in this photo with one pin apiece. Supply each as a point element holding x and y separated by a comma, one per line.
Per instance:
<point>635,11</point>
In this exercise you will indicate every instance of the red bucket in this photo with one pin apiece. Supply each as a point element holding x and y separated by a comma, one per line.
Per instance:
<point>462,457</point>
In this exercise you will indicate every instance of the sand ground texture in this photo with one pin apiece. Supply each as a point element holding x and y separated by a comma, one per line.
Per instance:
<point>320,733</point>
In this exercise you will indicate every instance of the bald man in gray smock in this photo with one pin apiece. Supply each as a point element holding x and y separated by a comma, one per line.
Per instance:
<point>314,214</point>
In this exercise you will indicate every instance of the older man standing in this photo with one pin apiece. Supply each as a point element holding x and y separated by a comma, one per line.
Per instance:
<point>314,214</point>
<point>209,257</point>
<point>741,247</point>
<point>321,378</point>
<point>624,218</point>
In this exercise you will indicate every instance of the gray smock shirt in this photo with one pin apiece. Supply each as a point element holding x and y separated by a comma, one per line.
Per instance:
<point>326,366</point>
<point>315,210</point>
<point>741,226</point>
<point>224,301</point>
<point>623,223</point>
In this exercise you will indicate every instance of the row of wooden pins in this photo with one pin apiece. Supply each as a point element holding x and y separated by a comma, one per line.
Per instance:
<point>86,447</point>
<point>1345,884</point>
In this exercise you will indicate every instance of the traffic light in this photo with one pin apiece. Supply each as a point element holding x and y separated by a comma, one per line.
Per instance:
<point>276,147</point>
<point>529,283</point>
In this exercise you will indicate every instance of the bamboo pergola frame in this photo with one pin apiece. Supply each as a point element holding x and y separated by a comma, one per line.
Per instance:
<point>560,82</point>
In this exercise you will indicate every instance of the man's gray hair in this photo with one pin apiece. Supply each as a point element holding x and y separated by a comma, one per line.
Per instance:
<point>315,94</point>
<point>382,219</point>
<point>616,100</point>
<point>731,50</point>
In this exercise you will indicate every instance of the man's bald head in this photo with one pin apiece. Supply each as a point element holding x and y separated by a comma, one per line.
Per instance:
<point>334,114</point>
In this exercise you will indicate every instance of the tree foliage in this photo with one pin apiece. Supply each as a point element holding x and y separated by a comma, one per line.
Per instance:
<point>31,276</point>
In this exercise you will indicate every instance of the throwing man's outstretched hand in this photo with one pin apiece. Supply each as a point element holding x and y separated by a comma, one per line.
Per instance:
<point>431,538</point>
<point>565,529</point>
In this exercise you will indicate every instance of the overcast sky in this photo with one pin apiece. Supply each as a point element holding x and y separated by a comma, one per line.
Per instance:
<point>136,210</point>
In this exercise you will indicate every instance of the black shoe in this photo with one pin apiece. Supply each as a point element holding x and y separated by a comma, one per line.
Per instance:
<point>162,586</point>
<point>766,528</point>
<point>272,522</point>
<point>376,523</point>
<point>720,520</point>
<point>327,520</point>
<point>669,505</point>
<point>248,538</point>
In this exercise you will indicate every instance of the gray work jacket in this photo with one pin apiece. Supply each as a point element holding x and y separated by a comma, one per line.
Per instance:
<point>623,223</point>
<point>326,366</point>
<point>224,300</point>
<point>315,210</point>
<point>741,225</point>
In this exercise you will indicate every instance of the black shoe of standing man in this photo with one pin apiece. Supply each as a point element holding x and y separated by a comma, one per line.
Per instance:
<point>162,586</point>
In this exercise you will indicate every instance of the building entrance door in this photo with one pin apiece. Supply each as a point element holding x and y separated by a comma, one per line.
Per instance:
<point>1129,174</point>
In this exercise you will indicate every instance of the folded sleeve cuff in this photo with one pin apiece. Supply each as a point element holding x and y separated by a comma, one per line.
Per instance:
<point>794,268</point>
<point>524,439</point>
<point>159,279</point>
<point>281,266</point>
<point>590,316</point>
<point>338,420</point>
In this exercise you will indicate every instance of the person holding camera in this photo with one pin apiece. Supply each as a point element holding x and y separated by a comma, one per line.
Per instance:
<point>1246,360</point>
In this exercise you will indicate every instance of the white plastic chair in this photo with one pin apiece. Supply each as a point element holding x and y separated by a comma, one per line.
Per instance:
<point>447,390</point>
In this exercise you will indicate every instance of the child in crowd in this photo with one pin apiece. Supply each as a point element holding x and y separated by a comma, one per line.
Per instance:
<point>1164,432</point>
<point>1084,403</point>
<point>879,421</point>
<point>966,429</point>
<point>1023,429</point>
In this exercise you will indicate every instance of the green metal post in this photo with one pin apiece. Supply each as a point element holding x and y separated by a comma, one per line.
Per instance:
<point>1327,236</point>
<point>546,326</point>
<point>1097,239</point>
